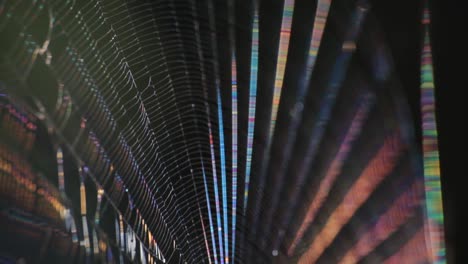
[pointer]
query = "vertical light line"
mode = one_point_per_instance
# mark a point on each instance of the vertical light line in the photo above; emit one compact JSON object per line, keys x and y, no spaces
{"x":288,"y":10}
{"x":232,"y":32}
{"x":119,"y":239}
{"x":207,"y":244}
{"x":320,"y":21}
{"x":234,"y":151}
{"x":61,"y":175}
{"x":73,"y":229}
{"x":122,"y":237}
{"x":217,"y":205}
{"x":204,"y":235}
{"x":97,"y":216}
{"x":285,"y":33}
{"x":252,"y":102}
{"x":223,"y":176}
{"x":214,"y":49}
{"x":84,"y":220}
{"x":213,"y":239}
{"x":69,"y":221}
{"x":142,"y":254}
{"x":430,"y":150}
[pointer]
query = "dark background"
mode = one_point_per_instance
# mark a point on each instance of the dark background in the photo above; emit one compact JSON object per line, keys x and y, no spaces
{"x":449,"y":26}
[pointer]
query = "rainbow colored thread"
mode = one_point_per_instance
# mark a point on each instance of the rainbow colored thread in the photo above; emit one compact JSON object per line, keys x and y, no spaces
{"x":252,"y":104}
{"x":430,"y":151}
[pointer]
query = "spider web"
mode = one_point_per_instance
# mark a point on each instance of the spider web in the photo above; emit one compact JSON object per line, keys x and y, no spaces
{"x":164,"y":105}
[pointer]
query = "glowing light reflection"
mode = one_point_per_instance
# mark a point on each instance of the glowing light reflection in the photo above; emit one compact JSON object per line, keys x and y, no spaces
{"x":377,"y":169}
{"x":288,"y":10}
{"x":398,"y":213}
{"x":414,"y":251}
{"x":430,"y":151}
{"x":252,"y":104}
{"x":334,"y":170}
